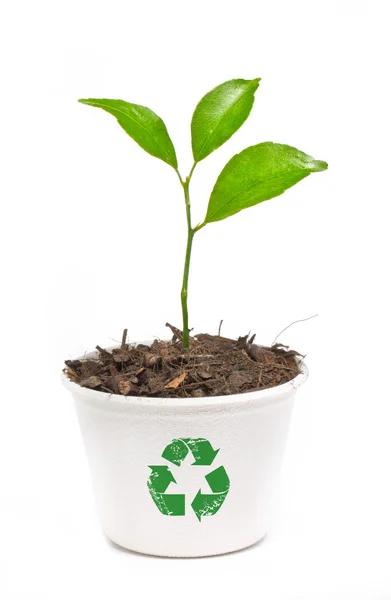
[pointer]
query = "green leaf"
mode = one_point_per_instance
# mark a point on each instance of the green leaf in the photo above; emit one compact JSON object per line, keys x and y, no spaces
{"x":258,"y":173}
{"x":142,"y":124}
{"x":220,"y":113}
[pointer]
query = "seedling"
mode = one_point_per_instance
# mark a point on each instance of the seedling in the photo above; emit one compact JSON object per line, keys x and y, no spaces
{"x":256,"y":174}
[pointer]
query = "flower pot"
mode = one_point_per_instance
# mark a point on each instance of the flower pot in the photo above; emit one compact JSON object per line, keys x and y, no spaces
{"x":186,"y":476}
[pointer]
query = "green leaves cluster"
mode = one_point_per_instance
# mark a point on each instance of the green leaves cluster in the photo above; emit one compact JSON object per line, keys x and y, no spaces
{"x":254,"y":175}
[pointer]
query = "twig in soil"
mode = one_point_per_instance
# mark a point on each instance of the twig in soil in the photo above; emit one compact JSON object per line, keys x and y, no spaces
{"x":245,"y":354}
{"x":104,"y":352}
{"x":177,"y":332}
{"x":124,"y":336}
{"x":293,"y":323}
{"x":219,"y":332}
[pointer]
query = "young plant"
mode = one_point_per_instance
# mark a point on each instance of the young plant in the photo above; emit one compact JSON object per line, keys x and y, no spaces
{"x":256,"y":174}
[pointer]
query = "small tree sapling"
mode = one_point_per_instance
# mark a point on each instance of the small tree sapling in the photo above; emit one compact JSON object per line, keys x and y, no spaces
{"x":256,"y":174}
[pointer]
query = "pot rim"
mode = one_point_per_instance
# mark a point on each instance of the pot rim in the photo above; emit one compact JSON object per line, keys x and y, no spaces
{"x":260,"y":396}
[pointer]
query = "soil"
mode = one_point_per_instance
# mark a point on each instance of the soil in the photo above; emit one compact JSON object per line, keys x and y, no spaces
{"x":212,"y":366}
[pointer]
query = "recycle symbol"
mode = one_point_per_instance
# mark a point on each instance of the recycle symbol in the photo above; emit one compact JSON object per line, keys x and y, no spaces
{"x":204,"y":505}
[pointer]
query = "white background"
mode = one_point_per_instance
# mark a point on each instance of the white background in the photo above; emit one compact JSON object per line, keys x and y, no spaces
{"x":93,"y":234}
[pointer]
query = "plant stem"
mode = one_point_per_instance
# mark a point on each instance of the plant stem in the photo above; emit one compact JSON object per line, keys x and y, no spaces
{"x":186,"y":270}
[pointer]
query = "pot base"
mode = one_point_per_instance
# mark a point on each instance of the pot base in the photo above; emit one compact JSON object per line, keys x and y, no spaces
{"x":144,"y":552}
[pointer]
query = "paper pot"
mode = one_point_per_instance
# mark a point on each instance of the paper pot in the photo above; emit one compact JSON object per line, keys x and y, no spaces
{"x":188,"y":476}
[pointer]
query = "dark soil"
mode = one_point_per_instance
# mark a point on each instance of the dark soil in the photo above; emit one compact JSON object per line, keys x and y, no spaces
{"x":211,"y":366}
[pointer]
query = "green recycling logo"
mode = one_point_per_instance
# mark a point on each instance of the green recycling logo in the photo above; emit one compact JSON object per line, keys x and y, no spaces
{"x":204,"y":505}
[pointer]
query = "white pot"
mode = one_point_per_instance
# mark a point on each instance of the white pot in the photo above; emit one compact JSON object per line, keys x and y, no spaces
{"x":143,"y":509}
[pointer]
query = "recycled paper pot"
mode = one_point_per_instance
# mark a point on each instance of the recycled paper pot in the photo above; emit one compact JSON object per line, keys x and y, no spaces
{"x":186,"y":476}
